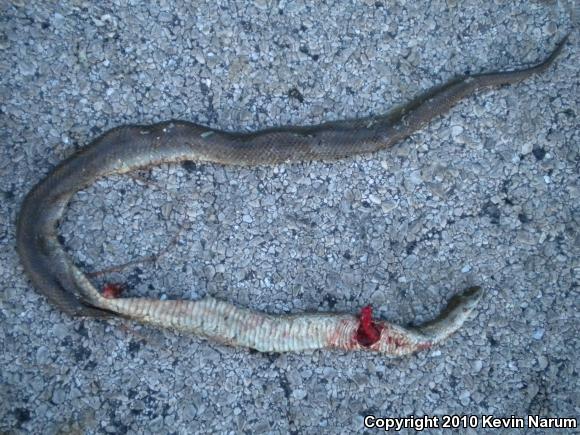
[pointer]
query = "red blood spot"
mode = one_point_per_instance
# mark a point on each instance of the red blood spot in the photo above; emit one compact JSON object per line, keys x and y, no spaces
{"x":397,"y":342}
{"x":112,"y":291}
{"x":424,"y":346}
{"x":368,"y":332}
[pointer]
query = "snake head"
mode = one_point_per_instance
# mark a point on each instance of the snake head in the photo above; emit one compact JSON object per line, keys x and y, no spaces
{"x":469,"y":298}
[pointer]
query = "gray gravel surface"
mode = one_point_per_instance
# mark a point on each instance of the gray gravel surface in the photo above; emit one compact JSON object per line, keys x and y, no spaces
{"x":487,"y":195}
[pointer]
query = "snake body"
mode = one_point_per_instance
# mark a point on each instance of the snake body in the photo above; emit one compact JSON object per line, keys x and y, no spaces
{"x":128,"y":148}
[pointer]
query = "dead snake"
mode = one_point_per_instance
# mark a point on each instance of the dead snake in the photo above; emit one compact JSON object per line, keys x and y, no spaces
{"x":128,"y":148}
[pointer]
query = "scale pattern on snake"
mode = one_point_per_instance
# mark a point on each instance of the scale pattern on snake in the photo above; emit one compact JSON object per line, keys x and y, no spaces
{"x":128,"y":148}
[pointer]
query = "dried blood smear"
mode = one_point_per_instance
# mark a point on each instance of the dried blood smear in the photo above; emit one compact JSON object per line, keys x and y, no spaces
{"x":368,"y":332}
{"x":112,"y":291}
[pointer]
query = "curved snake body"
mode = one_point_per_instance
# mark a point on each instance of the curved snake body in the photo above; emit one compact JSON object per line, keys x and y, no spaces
{"x":128,"y":148}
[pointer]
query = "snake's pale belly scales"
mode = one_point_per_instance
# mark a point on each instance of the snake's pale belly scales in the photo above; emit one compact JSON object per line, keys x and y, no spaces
{"x":128,"y":148}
